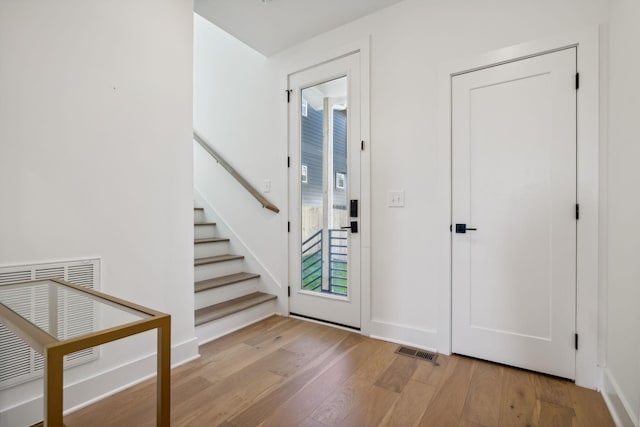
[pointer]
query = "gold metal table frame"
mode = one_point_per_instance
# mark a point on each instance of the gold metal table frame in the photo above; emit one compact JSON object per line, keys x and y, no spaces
{"x":53,"y":349}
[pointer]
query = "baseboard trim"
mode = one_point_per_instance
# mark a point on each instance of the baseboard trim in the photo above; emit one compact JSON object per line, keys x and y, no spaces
{"x":406,"y":335}
{"x":100,"y":386}
{"x":619,"y":407}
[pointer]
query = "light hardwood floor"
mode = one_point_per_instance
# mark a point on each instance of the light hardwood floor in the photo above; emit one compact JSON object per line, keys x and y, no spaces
{"x":286,"y":372}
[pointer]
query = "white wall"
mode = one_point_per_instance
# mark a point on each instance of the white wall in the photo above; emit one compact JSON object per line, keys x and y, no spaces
{"x":622,"y":375}
{"x":237,"y":111}
{"x":96,"y":161}
{"x":409,"y":42}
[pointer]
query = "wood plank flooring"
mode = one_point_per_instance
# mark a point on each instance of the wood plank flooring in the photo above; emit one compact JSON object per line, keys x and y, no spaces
{"x":286,"y":372}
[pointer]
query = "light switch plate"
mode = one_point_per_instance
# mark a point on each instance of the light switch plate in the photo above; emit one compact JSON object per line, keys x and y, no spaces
{"x":396,"y":199}
{"x":266,"y":186}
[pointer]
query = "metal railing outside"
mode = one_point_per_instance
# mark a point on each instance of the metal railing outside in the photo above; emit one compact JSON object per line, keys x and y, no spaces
{"x":312,"y":262}
{"x":338,"y":257}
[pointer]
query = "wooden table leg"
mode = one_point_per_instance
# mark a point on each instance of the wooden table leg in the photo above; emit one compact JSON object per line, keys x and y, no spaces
{"x":53,"y":391}
{"x":163,"y":407}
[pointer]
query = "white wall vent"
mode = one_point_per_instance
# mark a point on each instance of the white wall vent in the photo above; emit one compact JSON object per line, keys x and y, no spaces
{"x":18,"y":362}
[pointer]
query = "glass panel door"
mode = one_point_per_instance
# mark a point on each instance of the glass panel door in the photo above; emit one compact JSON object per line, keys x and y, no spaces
{"x":324,"y":188}
{"x":324,"y":180}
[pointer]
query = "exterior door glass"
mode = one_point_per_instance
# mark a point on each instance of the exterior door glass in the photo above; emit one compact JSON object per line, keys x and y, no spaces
{"x":324,"y":188}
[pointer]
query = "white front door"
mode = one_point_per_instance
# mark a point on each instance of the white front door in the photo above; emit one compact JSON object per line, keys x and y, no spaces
{"x":514,"y":190}
{"x":324,"y":192}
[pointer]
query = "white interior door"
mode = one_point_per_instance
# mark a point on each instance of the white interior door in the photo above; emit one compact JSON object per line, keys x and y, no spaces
{"x":514,"y":188}
{"x":324,"y":186}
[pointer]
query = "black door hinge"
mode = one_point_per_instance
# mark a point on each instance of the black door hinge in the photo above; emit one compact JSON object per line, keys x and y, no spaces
{"x":288,"y":291}
{"x":576,"y":341}
{"x":288,"y":95}
{"x":288,"y":226}
{"x":577,"y":211}
{"x":362,"y":145}
{"x":577,"y":81}
{"x":288,"y":161}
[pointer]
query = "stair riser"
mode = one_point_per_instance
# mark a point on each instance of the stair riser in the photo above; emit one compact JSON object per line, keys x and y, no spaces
{"x":209,"y":271}
{"x":203,"y":250}
{"x":217,"y":328}
{"x":204,"y":231}
{"x":198,"y":216}
{"x":225,"y":293}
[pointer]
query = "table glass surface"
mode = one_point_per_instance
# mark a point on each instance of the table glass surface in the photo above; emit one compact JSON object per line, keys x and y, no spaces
{"x":65,"y":312}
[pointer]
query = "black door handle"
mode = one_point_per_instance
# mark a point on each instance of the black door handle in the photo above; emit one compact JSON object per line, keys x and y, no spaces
{"x":462,"y":228}
{"x":353,"y":209}
{"x":353,"y":227}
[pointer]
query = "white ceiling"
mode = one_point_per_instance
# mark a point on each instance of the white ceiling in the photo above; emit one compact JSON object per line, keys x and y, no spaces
{"x":275,"y":25}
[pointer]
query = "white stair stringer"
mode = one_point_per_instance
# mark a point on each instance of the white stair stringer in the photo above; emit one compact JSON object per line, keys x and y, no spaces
{"x":212,"y":330}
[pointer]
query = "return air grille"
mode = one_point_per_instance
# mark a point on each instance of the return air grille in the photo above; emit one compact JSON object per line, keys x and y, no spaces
{"x":418,"y":354}
{"x":18,"y":362}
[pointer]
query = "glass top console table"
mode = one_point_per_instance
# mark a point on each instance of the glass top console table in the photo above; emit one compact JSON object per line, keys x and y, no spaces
{"x":113,"y":319}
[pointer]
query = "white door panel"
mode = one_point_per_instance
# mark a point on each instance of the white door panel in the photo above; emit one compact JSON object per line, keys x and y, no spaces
{"x":514,"y":179}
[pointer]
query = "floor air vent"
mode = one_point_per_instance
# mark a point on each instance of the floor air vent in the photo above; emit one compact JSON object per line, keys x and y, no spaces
{"x":418,"y":354}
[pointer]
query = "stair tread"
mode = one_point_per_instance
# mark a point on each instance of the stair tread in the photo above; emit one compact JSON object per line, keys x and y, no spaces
{"x":216,"y":282}
{"x":217,"y":311}
{"x":214,"y":259}
{"x":198,"y":209}
{"x":204,"y":223}
{"x":211,"y":240}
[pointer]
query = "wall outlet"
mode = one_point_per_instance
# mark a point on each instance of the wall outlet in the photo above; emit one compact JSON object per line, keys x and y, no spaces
{"x":396,"y":199}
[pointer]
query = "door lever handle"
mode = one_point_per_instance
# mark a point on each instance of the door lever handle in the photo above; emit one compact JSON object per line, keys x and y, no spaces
{"x":353,"y":227}
{"x":462,"y":228}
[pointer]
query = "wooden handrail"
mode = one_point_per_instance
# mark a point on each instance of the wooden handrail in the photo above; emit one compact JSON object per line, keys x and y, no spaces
{"x":255,"y":193}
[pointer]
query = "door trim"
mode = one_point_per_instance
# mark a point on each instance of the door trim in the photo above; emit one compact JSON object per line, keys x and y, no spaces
{"x":589,"y":315}
{"x":302,"y":62}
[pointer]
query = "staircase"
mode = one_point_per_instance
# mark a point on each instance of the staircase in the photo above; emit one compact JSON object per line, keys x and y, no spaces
{"x":226,"y":297}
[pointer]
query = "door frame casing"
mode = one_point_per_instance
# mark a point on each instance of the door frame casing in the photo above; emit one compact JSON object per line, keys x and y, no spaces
{"x":307,"y":60}
{"x":589,"y":320}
